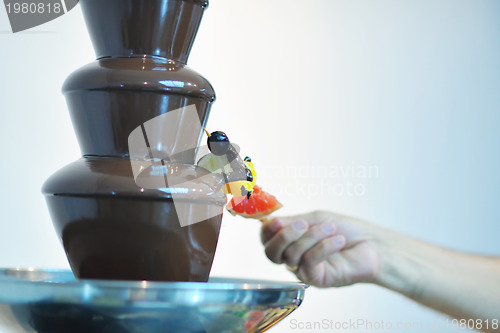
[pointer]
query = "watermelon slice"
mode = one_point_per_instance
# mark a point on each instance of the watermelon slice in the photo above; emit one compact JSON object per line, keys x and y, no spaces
{"x":258,"y":206}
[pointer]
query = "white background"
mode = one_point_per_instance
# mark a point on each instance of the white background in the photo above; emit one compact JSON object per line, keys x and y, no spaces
{"x":411,"y":87}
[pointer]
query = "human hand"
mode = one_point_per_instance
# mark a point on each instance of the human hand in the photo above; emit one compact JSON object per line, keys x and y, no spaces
{"x":323,"y":249}
{"x":330,"y":250}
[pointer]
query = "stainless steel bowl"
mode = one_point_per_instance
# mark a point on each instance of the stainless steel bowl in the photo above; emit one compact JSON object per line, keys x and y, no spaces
{"x":52,"y":301}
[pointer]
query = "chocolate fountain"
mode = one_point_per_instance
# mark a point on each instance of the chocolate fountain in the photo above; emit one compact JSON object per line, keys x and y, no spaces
{"x":138,"y":219}
{"x":114,"y":223}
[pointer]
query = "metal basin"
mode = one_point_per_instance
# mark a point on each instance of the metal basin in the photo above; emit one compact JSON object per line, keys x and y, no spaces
{"x":52,"y":301}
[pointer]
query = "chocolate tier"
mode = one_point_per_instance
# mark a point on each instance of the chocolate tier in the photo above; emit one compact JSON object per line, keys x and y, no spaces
{"x":117,"y":213}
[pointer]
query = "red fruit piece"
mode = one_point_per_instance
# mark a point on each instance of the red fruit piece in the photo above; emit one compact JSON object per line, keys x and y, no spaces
{"x":259,"y":205}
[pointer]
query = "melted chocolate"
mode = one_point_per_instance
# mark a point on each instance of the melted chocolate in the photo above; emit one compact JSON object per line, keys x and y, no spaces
{"x":121,"y":243}
{"x":110,"y":227}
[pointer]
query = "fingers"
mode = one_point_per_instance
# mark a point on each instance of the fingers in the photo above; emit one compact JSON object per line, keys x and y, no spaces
{"x":312,"y":266}
{"x":302,"y":241}
{"x":293,"y":253}
{"x":279,"y":241}
{"x":321,"y":251}
{"x":272,"y":225}
{"x":269,"y":228}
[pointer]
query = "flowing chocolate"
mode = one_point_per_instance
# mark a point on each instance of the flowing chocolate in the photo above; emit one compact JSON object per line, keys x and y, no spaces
{"x":111,"y":227}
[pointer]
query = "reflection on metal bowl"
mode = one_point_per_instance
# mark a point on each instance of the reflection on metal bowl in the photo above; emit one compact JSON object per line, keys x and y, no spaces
{"x":52,"y":301}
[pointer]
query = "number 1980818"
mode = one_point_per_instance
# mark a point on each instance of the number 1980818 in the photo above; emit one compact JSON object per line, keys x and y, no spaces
{"x":476,"y":324}
{"x":33,"y":8}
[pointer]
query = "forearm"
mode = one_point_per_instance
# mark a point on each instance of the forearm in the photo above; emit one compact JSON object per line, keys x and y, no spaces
{"x":460,"y":285}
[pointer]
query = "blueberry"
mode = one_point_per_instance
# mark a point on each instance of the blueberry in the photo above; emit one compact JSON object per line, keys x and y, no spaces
{"x":218,"y":143}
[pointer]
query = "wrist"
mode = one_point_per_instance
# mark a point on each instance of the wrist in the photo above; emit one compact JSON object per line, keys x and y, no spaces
{"x":400,"y":263}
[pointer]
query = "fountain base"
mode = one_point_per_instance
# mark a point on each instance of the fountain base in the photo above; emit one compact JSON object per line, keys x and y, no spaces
{"x":53,"y":301}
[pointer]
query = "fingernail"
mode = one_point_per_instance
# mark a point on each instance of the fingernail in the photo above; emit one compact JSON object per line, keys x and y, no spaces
{"x":299,"y":225}
{"x":338,"y":240}
{"x":275,"y":225}
{"x":327,"y":228}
